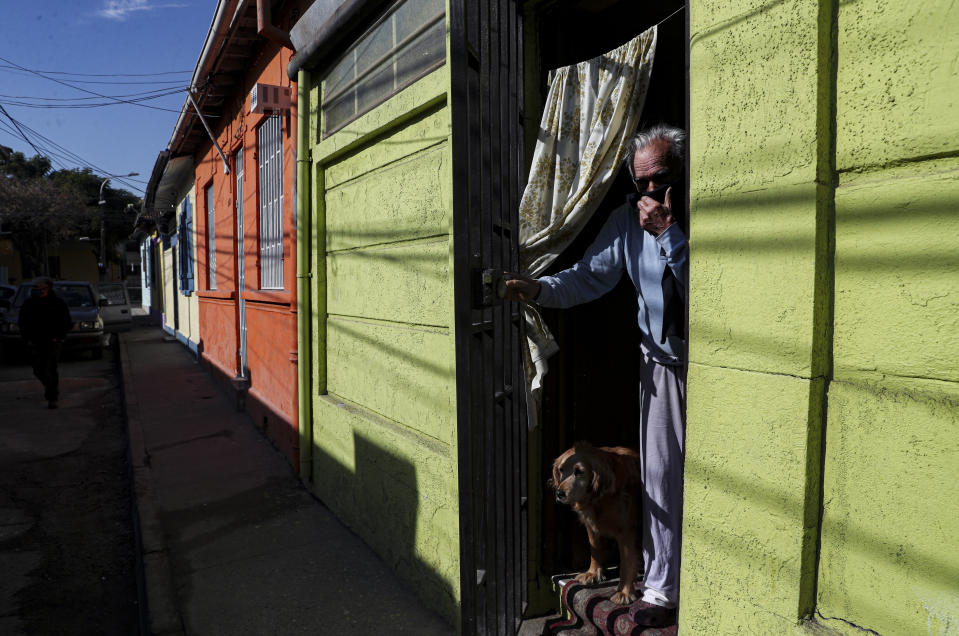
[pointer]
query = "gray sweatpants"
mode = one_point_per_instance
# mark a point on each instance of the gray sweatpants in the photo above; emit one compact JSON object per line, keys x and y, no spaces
{"x":662,"y":394}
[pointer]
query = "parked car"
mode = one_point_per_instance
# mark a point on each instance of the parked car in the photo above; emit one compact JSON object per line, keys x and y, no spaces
{"x":87,"y":331}
{"x":116,"y":310}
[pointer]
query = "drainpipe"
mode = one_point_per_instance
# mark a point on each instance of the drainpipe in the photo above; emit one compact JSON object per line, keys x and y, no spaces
{"x":265,"y":28}
{"x":304,"y":305}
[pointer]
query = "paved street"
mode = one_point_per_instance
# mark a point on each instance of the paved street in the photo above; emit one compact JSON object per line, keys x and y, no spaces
{"x":66,"y":538}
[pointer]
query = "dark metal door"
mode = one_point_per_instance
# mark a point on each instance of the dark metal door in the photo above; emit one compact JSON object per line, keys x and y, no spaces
{"x":486,"y":96}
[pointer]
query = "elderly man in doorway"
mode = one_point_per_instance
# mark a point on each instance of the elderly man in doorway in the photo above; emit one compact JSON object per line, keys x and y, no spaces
{"x":644,"y":238}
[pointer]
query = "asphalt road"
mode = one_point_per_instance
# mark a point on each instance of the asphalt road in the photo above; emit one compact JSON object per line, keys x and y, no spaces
{"x":67,"y":544}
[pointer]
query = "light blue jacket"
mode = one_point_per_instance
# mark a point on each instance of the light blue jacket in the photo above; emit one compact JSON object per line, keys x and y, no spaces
{"x":623,"y":243}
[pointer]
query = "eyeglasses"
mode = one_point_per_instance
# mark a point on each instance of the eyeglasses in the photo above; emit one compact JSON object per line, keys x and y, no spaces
{"x":661,"y":178}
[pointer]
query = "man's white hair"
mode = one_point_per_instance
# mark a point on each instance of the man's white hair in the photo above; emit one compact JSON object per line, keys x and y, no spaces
{"x":45,"y":281}
{"x":673,"y":136}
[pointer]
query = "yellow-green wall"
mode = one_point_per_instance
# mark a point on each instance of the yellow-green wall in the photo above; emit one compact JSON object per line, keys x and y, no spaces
{"x":823,"y":318}
{"x":384,"y":425}
{"x":890,"y":555}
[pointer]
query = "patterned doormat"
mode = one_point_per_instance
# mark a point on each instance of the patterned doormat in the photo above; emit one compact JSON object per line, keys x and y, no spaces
{"x":587,"y":611}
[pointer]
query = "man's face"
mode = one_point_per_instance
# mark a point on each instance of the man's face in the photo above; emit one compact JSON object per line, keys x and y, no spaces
{"x":43,"y":290}
{"x":651,"y":170}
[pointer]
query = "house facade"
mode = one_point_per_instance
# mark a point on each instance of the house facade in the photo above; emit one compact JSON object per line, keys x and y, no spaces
{"x":237,"y":132}
{"x":819,"y":446}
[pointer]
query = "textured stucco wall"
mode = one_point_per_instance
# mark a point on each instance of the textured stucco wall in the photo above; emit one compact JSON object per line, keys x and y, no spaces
{"x":754,"y":107}
{"x":890,"y":559}
{"x":384,"y":421}
{"x":823,"y":319}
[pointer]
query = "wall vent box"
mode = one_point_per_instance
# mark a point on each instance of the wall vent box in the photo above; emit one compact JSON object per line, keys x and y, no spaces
{"x":266,"y":98}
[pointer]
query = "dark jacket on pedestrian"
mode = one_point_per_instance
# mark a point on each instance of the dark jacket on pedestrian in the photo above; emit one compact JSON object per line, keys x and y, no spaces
{"x":44,"y":318}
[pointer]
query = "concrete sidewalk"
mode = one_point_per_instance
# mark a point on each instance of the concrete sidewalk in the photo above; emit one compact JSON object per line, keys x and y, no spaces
{"x":232,"y":541}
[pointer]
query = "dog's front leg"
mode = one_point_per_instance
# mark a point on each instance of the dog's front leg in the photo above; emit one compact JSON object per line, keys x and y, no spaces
{"x":595,"y":572}
{"x":628,"y":569}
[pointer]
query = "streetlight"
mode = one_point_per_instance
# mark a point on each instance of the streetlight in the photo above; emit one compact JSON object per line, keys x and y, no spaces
{"x":102,"y":265}
{"x":111,"y":176}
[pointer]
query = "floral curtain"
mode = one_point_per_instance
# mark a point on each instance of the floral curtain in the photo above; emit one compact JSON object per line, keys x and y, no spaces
{"x":591,"y":111}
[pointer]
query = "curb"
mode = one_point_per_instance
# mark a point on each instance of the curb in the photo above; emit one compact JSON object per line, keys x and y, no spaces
{"x":159,"y":613}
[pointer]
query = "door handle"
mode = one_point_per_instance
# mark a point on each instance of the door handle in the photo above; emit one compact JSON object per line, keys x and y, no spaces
{"x":489,"y":287}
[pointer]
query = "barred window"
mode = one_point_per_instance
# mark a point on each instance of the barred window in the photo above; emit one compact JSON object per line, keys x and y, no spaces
{"x":210,"y":238}
{"x":406,"y":44}
{"x":270,"y":158}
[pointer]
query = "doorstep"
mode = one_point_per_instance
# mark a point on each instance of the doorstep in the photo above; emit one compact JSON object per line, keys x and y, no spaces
{"x":587,"y":611}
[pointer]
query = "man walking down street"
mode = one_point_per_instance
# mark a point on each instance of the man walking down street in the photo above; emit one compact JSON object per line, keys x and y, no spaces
{"x":44,"y":322}
{"x":644,"y":238}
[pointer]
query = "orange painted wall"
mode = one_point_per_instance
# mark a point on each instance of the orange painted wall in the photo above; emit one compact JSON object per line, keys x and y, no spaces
{"x":271,"y":314}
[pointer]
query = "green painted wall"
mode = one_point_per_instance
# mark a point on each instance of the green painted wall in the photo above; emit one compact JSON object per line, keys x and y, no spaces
{"x":890,"y":558}
{"x":824,"y":319}
{"x":748,"y":541}
{"x":384,"y":412}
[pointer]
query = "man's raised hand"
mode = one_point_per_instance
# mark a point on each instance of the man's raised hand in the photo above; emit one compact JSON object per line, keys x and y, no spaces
{"x":655,"y":217}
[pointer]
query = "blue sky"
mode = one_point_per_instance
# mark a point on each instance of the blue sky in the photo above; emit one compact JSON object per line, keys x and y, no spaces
{"x":107,"y":41}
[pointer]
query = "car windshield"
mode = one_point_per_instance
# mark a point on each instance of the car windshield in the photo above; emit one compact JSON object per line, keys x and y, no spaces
{"x":24,"y":292}
{"x":75,"y":295}
{"x":113,"y":293}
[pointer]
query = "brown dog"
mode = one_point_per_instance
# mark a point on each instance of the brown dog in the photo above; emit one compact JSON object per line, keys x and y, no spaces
{"x":604,"y":486}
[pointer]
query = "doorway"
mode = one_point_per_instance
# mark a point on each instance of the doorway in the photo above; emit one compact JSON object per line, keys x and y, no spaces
{"x":592,"y":389}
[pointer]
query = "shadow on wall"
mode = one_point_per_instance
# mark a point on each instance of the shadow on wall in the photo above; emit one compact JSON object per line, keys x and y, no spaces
{"x":773,"y":502}
{"x":380,"y":501}
{"x":275,"y":425}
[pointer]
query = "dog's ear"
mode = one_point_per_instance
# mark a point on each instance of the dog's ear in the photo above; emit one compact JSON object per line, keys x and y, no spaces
{"x":557,"y":475}
{"x":604,"y":480}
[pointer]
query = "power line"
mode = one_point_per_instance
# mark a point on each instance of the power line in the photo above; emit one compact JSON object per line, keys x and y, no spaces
{"x":55,"y":159}
{"x":79,"y":88}
{"x":79,"y":99}
{"x":22,"y":134}
{"x":74,"y":104}
{"x":27,"y":72}
{"x":70,"y":155}
{"x":12,"y":65}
